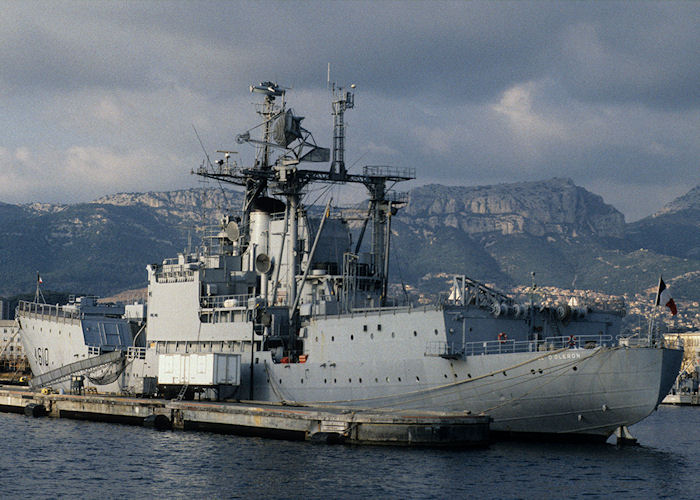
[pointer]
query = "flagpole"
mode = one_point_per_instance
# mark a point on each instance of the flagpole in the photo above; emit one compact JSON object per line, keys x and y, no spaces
{"x":651,"y":338}
{"x":38,"y":293}
{"x":654,"y":313}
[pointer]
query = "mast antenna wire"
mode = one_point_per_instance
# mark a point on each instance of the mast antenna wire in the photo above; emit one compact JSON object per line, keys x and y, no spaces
{"x":323,"y":191}
{"x":221,"y":186}
{"x":202,"y":145}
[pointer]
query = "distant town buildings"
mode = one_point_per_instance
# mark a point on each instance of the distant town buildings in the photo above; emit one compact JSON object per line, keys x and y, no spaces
{"x":639,"y":308}
{"x":4,"y":309}
{"x":12,"y":356}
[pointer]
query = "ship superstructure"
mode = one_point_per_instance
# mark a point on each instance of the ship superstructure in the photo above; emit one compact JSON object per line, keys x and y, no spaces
{"x":303,"y":308}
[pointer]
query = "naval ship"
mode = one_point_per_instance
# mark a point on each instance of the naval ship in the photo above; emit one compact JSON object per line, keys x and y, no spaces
{"x":284,"y":303}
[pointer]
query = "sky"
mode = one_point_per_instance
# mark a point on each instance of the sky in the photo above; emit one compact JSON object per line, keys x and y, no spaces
{"x":103,"y":97}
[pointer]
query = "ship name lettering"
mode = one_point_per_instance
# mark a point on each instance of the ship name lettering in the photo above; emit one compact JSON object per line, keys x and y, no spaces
{"x":565,"y":355}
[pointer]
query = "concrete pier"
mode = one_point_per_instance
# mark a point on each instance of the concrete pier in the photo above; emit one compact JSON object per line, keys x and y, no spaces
{"x":682,"y":399}
{"x":320,"y":424}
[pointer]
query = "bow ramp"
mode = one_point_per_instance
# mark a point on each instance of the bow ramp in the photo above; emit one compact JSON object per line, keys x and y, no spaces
{"x":73,"y":368}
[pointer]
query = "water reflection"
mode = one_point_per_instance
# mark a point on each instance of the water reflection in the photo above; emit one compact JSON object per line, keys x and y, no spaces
{"x":55,"y":458}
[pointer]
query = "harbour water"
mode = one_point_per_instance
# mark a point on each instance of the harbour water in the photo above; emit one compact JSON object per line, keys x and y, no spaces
{"x":57,"y":458}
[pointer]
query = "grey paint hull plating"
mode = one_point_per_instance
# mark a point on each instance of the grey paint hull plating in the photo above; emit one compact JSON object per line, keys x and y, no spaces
{"x":569,"y":391}
{"x":565,"y":391}
{"x":573,"y":391}
{"x":54,"y":342}
{"x":560,"y":391}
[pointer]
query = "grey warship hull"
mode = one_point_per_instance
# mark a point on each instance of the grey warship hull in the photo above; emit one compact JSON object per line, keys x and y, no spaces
{"x":97,"y":341}
{"x":560,"y":390}
{"x":529,"y":387}
{"x":568,"y":392}
{"x":304,"y":307}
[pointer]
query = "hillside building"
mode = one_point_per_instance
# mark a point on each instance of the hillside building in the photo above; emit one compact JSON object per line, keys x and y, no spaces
{"x":12,"y":355}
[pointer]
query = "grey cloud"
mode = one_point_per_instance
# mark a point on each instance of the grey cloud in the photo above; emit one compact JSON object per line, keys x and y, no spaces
{"x":613,"y":94}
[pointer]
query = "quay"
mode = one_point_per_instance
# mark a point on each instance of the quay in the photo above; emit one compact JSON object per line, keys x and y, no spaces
{"x":686,"y":389}
{"x":682,"y":399}
{"x":318,"y":424}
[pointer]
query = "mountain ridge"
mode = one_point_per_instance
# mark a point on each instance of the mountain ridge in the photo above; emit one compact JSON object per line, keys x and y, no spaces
{"x":536,"y":207}
{"x":499,"y":233}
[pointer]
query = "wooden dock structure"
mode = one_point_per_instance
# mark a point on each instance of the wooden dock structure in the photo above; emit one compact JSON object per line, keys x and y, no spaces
{"x":320,"y":424}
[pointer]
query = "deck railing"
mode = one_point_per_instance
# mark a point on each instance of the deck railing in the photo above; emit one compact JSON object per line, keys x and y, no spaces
{"x":226,"y":301}
{"x":506,"y":346}
{"x":55,"y":311}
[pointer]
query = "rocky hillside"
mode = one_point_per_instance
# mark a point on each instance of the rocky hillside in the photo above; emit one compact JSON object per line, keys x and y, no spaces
{"x":100,"y":247}
{"x":184,"y":207}
{"x":689,"y":201}
{"x":674,"y":230}
{"x":499,"y":234}
{"x":556,"y":207}
{"x":568,"y":236}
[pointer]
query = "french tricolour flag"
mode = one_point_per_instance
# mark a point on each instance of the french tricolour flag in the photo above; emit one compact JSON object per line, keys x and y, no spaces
{"x":663,"y":297}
